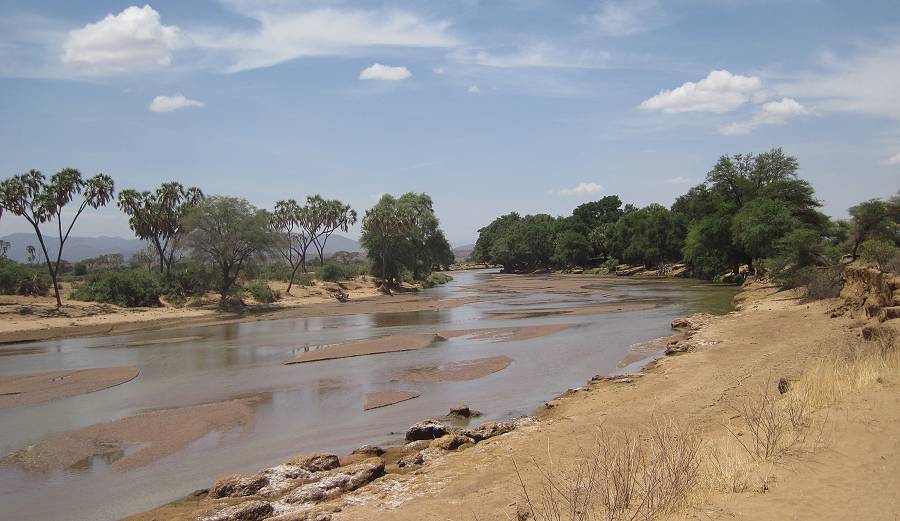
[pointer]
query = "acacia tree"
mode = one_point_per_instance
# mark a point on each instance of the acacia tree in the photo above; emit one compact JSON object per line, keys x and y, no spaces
{"x":293,"y":241}
{"x":30,"y":196}
{"x":158,"y":217}
{"x":320,"y":218}
{"x":228,"y":232}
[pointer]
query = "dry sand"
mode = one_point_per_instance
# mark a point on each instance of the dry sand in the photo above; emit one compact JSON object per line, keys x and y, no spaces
{"x":152,"y":436}
{"x":32,"y":388}
{"x":456,"y":371}
{"x":385,"y":398}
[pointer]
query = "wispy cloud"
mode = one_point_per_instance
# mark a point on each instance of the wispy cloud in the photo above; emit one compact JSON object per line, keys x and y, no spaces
{"x":721,"y":91}
{"x":582,"y":188}
{"x":286,"y":35}
{"x":893,"y":160}
{"x":678,"y":180}
{"x":473,"y":89}
{"x":173,"y":103}
{"x":626,"y":17}
{"x":381,"y":72}
{"x":868,"y":82}
{"x":771,"y":113}
{"x":535,"y":56}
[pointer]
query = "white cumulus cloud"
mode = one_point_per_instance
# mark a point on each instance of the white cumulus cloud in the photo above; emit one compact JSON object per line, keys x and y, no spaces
{"x":131,"y":40}
{"x":473,"y":89}
{"x":378,"y":71}
{"x":172,"y":103}
{"x":893,"y":160}
{"x":719,"y":92}
{"x":582,"y":189}
{"x":771,"y":113}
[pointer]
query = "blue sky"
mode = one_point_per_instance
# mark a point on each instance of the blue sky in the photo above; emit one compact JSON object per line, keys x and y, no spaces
{"x":489,"y":106}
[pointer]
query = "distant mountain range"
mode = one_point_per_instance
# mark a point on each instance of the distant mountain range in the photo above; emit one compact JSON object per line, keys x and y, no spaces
{"x":80,"y":248}
{"x":461,"y":253}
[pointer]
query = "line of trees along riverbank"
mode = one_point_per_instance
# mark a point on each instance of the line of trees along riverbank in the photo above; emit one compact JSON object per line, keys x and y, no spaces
{"x":751,"y":210}
{"x":198,"y":242}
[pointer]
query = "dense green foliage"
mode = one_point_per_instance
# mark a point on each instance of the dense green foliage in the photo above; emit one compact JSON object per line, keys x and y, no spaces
{"x":126,"y":288}
{"x":751,"y":210}
{"x":403,"y":236}
{"x":22,"y":279}
{"x":332,"y":272}
{"x":436,"y":279}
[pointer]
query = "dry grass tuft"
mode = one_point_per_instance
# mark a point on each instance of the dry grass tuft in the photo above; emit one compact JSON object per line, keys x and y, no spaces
{"x":628,"y":476}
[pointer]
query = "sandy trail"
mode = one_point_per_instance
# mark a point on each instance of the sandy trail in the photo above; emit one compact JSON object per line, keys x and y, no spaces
{"x":32,"y":388}
{"x":154,"y":435}
{"x":385,"y":398}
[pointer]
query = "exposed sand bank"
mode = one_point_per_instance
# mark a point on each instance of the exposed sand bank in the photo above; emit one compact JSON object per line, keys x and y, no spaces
{"x":32,"y":388}
{"x":385,"y":398}
{"x":457,"y":371}
{"x":135,"y":441}
{"x":398,"y":343}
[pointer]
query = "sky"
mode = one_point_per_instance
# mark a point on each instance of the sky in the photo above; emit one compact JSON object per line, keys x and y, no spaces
{"x":487,"y":106}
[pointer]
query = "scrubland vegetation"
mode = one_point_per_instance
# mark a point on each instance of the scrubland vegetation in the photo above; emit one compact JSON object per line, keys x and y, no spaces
{"x":199,"y":243}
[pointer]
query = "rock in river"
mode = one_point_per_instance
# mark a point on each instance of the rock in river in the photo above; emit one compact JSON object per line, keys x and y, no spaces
{"x":426,"y":430}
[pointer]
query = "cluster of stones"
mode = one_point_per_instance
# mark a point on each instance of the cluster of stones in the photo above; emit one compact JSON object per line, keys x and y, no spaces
{"x":294,"y":490}
{"x":688,"y":326}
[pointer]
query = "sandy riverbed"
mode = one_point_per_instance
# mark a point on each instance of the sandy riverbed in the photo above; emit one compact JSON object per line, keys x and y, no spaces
{"x":774,"y":336}
{"x":32,"y":388}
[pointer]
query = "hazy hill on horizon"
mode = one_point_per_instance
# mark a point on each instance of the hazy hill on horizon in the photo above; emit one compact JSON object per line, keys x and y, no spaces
{"x":80,"y":248}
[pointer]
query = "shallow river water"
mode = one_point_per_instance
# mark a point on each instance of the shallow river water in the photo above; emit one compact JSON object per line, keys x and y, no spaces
{"x":312,"y":406}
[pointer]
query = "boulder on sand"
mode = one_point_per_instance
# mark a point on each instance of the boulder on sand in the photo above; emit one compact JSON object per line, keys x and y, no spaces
{"x":369,"y":450}
{"x":238,"y":486}
{"x":426,"y":430}
{"x":336,"y":483}
{"x":246,"y":511}
{"x":451,"y":442}
{"x":316,"y":462}
{"x":462,"y":411}
{"x":488,"y":430}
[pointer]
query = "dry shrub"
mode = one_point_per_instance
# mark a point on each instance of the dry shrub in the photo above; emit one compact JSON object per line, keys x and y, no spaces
{"x":727,"y":467}
{"x":628,"y":476}
{"x":849,"y":368}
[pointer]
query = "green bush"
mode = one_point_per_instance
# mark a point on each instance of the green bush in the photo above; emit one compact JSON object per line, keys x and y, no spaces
{"x":188,"y":279}
{"x":304,"y":279}
{"x":435,"y":279}
{"x":820,"y":283}
{"x":129,"y":288}
{"x":880,"y":253}
{"x":19,"y":279}
{"x":261,"y":292}
{"x":333,"y":272}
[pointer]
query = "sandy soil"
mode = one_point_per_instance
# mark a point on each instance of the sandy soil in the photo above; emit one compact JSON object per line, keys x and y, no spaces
{"x":456,"y":371}
{"x":32,"y":388}
{"x":385,"y":398}
{"x":138,"y":440}
{"x":507,"y":334}
{"x":25,"y":319}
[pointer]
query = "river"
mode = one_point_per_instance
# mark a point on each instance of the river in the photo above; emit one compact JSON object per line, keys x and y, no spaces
{"x":316,"y":406}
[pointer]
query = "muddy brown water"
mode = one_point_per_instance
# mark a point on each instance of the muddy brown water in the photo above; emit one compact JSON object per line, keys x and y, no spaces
{"x":314,"y":406}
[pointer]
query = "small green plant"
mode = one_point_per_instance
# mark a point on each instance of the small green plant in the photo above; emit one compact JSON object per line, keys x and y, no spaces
{"x":262,"y":292}
{"x":436,"y":279}
{"x":131,"y":288}
{"x":882,"y":254}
